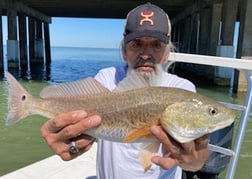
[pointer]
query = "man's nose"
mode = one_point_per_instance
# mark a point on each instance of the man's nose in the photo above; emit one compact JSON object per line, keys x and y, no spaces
{"x":146,"y":52}
{"x":145,"y":56}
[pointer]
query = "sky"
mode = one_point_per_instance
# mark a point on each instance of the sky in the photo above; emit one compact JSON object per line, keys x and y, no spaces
{"x":82,"y":32}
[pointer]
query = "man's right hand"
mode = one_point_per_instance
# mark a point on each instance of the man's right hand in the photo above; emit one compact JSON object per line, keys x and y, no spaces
{"x":65,"y":128}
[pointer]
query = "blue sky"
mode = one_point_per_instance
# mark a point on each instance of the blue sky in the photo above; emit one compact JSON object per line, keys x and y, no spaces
{"x":83,"y":32}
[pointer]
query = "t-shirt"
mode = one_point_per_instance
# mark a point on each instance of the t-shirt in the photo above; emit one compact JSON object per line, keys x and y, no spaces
{"x":121,"y":160}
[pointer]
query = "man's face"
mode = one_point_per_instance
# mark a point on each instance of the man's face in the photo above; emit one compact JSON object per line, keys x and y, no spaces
{"x":144,"y":53}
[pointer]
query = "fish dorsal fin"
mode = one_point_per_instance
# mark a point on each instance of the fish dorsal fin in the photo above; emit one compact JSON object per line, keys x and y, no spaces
{"x":133,"y":80}
{"x":75,"y":88}
{"x":147,"y":150}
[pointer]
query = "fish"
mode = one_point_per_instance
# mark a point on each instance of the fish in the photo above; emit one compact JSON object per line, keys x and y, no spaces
{"x":127,"y":112}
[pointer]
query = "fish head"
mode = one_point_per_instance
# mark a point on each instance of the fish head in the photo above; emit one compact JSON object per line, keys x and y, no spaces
{"x":194,"y":117}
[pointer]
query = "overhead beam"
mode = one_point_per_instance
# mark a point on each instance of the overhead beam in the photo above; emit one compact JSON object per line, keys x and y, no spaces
{"x":196,"y":7}
{"x":22,"y":8}
{"x":31,"y":12}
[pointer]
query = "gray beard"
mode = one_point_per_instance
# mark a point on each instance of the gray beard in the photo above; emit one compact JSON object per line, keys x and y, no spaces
{"x":154,"y":78}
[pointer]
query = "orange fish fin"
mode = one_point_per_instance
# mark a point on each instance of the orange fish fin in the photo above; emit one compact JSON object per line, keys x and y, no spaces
{"x":138,"y":133}
{"x":146,"y":152}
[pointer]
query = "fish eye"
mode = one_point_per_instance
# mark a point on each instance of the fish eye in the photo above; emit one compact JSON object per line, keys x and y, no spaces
{"x":23,"y":98}
{"x":212,"y":111}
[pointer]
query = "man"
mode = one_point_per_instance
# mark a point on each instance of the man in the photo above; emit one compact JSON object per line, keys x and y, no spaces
{"x":145,"y":47}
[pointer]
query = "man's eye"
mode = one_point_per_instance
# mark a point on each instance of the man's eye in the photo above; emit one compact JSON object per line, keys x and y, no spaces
{"x":134,"y":45}
{"x":157,"y":45}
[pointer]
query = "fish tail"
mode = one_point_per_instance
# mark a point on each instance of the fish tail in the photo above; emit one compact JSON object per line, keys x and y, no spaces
{"x":17,"y":101}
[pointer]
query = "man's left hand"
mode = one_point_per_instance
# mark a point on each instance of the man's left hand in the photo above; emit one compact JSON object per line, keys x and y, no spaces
{"x":190,"y":156}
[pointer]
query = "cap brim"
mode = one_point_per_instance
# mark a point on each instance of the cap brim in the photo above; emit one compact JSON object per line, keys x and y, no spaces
{"x":147,"y":33}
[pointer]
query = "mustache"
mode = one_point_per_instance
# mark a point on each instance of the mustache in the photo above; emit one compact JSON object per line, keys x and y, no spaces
{"x":141,"y":62}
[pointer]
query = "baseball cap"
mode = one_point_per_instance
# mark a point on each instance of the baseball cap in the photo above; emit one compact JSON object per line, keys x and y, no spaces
{"x":147,"y":20}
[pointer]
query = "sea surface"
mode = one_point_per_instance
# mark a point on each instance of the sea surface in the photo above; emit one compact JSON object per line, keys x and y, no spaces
{"x":21,"y":144}
{"x":70,"y":63}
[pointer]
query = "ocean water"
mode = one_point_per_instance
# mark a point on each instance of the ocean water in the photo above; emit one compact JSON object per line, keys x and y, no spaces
{"x":74,"y":63}
{"x":21,"y":144}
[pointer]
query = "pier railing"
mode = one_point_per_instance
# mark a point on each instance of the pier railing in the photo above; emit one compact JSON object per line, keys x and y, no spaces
{"x":244,"y":65}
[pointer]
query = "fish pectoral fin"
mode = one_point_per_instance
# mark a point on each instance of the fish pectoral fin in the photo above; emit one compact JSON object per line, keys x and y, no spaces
{"x":138,"y":133}
{"x":146,"y":152}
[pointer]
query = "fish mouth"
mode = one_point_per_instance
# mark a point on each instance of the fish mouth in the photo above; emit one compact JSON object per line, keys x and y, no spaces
{"x":223,"y":124}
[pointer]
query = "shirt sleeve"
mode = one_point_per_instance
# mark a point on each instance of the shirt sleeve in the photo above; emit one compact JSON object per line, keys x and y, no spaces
{"x":110,"y":77}
{"x":175,"y":81}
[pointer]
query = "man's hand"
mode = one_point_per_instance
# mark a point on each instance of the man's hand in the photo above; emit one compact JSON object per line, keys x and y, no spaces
{"x":64,"y":128}
{"x":190,"y":156}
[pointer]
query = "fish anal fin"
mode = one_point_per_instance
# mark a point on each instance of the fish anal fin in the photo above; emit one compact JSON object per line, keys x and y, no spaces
{"x":146,"y":152}
{"x":138,"y":133}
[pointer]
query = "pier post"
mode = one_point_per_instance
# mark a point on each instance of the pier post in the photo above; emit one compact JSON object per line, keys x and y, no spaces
{"x":194,"y":33}
{"x":229,"y":16}
{"x":204,"y":41}
{"x":31,"y":31}
{"x":23,"y":44}
{"x":216,"y":12}
{"x":37,"y":61}
{"x":39,"y":44}
{"x":186,"y":34}
{"x":204,"y":32}
{"x":12,"y":42}
{"x":47,"y":50}
{"x":1,"y":48}
{"x":245,"y":41}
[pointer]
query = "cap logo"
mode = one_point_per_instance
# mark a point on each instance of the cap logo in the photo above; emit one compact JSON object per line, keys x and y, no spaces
{"x":146,"y":17}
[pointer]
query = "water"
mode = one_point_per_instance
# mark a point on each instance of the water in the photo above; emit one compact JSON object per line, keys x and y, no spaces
{"x":74,"y":63}
{"x":22,"y":144}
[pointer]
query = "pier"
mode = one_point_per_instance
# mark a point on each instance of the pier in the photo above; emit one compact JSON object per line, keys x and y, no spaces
{"x":198,"y":27}
{"x":201,"y":30}
{"x":20,"y":16}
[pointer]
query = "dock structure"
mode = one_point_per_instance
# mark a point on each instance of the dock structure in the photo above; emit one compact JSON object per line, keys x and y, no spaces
{"x":198,"y":27}
{"x":19,"y":17}
{"x":203,"y":28}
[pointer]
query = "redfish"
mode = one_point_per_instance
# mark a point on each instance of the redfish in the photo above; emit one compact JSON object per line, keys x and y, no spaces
{"x":127,"y":112}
